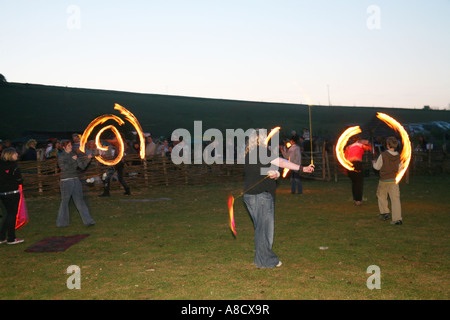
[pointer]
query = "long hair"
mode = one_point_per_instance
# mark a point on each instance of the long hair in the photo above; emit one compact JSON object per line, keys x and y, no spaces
{"x":8,"y":153}
{"x":256,"y":138}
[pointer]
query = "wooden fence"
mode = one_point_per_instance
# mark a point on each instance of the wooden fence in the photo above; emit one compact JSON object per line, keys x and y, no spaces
{"x":42,"y":177}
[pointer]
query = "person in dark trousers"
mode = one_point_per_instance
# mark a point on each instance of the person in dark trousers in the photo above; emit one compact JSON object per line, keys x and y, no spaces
{"x":10,"y":180}
{"x":293,"y":154}
{"x":354,"y":154}
{"x":119,"y":168}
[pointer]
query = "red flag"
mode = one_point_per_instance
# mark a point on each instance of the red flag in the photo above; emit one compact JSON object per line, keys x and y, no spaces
{"x":22,"y":213}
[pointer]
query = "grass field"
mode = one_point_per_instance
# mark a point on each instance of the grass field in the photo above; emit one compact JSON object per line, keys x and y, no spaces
{"x":183,"y":249}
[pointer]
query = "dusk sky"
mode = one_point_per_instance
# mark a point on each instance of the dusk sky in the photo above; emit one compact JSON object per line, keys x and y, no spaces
{"x":348,"y":52}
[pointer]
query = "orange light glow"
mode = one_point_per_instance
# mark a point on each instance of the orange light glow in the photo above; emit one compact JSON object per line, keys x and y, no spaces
{"x":405,"y":156}
{"x":231,"y":213}
{"x":120,"y":152}
{"x":132,"y":119}
{"x":97,"y":121}
{"x":272,"y":132}
{"x":102,"y":119}
{"x":342,"y":141}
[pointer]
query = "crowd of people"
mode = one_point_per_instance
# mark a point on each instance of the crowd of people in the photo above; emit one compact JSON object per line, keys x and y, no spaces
{"x":259,"y":200}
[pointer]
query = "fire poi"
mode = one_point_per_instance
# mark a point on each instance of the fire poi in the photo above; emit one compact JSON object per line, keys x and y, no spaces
{"x":231,"y":198}
{"x":405,"y":156}
{"x":102,"y":119}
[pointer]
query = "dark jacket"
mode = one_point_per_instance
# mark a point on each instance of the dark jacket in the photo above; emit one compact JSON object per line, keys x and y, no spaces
{"x":254,"y":182}
{"x":10,"y":176}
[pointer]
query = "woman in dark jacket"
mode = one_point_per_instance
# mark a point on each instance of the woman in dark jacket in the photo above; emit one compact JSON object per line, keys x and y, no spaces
{"x":10,"y":179}
{"x":70,"y":185}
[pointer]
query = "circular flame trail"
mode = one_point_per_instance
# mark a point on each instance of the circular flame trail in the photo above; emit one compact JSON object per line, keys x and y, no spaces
{"x":102,"y":119}
{"x":342,"y":141}
{"x":405,"y":156}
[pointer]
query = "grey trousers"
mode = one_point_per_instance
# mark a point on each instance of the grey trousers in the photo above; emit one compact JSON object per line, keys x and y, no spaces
{"x":72,"y":188}
{"x":261,"y":209}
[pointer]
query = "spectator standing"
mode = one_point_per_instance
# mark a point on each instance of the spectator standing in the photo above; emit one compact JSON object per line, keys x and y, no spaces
{"x":30,"y":153}
{"x":150,"y":147}
{"x":293,"y":154}
{"x":10,"y":180}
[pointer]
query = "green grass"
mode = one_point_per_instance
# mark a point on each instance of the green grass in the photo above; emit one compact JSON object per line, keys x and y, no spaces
{"x":183,"y":248}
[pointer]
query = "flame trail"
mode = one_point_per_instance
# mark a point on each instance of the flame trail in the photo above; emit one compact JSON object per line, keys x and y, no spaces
{"x":405,"y":156}
{"x":101,"y":120}
{"x":272,"y":132}
{"x":231,"y":213}
{"x":342,"y":141}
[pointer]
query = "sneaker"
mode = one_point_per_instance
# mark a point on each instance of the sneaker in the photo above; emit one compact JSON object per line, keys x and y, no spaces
{"x":398,"y":222}
{"x":279,"y":264}
{"x":2,"y":241}
{"x":384,"y":216}
{"x":17,"y":241}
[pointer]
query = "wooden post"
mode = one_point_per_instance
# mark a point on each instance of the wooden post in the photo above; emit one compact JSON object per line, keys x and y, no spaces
{"x":145,"y":172}
{"x":335,"y":164}
{"x":323,"y":161}
{"x":40,"y":156}
{"x":328,"y":166}
{"x":185,"y":173}
{"x":165,"y":171}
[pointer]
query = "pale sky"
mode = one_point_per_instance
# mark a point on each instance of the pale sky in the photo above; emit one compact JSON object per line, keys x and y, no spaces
{"x":390,"y":53}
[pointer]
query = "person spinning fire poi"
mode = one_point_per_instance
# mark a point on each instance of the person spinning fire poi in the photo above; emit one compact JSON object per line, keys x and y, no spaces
{"x":259,"y":198}
{"x":119,"y":168}
{"x":354,"y":153}
{"x":70,"y":185}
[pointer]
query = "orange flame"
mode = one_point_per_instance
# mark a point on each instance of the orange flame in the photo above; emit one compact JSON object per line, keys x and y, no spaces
{"x":405,"y":156}
{"x":272,"y":132}
{"x":342,"y":141}
{"x":286,"y":170}
{"x":231,"y":213}
{"x":102,"y":119}
{"x":132,"y":119}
